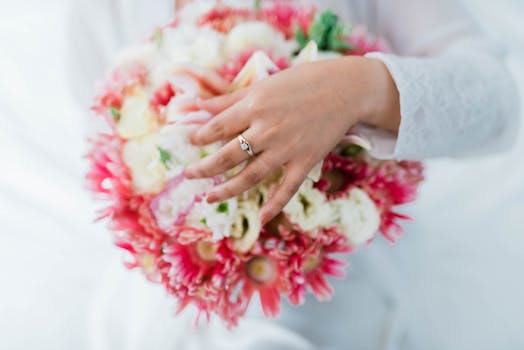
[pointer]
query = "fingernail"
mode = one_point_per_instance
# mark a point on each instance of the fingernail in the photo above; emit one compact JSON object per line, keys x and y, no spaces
{"x":189,"y":173}
{"x":211,"y":197}
{"x":262,"y":217}
{"x":193,"y":138}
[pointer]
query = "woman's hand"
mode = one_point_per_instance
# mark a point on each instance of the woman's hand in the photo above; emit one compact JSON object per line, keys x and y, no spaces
{"x":292,"y":120}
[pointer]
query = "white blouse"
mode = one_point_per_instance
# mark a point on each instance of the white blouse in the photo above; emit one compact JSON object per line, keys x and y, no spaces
{"x":457,"y":99}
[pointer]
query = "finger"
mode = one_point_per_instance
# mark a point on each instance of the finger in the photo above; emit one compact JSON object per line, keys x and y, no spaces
{"x":293,"y":179}
{"x":218,"y":104}
{"x":224,"y":126}
{"x":263,"y":166}
{"x":225,"y":159}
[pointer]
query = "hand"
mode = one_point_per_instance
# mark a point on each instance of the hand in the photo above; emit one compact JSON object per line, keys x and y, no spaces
{"x":292,"y":120}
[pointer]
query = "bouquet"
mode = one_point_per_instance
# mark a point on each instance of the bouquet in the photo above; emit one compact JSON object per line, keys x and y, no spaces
{"x":218,"y":256}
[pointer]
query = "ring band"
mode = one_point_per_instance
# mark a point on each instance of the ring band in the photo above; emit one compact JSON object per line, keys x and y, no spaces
{"x":245,"y":146}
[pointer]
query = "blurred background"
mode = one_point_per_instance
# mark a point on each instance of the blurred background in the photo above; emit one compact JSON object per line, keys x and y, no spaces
{"x":52,"y":255}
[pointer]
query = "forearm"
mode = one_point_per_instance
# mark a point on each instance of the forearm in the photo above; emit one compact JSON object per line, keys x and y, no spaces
{"x":462,"y":103}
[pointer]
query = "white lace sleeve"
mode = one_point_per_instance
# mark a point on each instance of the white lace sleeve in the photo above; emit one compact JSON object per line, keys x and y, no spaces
{"x":457,"y":98}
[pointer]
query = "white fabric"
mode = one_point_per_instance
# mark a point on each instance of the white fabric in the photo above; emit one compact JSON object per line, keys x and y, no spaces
{"x":454,"y":281}
{"x":457,"y":99}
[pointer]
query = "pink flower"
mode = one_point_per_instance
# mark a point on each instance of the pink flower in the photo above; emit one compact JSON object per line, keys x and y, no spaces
{"x":286,"y":18}
{"x":265,"y":274}
{"x":340,"y":174}
{"x":161,"y":97}
{"x":107,"y":175}
{"x":310,"y":261}
{"x":392,"y":184}
{"x":223,"y":19}
{"x":112,"y":92}
{"x":364,"y":43}
{"x":193,"y":274}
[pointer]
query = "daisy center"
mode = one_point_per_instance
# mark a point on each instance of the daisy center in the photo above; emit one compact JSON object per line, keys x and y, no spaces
{"x":261,"y":269}
{"x":311,"y":263}
{"x":206,"y":251}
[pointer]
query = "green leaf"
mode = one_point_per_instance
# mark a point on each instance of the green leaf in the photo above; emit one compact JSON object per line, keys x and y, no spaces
{"x":223,"y":208}
{"x":204,"y":154}
{"x":335,"y":36}
{"x":165,"y":157}
{"x":115,"y":113}
{"x":204,"y":221}
{"x":327,"y":31}
{"x":257,"y":5}
{"x":352,"y":151}
{"x":159,"y":37}
{"x":301,"y":38}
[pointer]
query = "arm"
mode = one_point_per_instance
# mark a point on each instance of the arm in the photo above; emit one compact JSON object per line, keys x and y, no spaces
{"x":456,"y":96}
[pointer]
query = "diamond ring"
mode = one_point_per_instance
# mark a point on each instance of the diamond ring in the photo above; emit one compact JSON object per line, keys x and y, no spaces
{"x":245,"y":146}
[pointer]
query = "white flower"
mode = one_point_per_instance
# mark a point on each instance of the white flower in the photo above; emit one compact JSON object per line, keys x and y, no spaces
{"x":309,"y":209}
{"x":201,"y":46}
{"x":246,"y":226}
{"x":159,"y":156}
{"x":217,"y":217}
{"x":146,"y":53}
{"x":178,"y":201}
{"x":143,"y":161}
{"x":258,"y":35}
{"x":136,"y":118}
{"x":359,"y":218}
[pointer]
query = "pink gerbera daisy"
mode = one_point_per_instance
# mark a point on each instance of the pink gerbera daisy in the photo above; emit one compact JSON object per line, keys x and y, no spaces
{"x":311,"y":261}
{"x":340,"y":174}
{"x":390,"y":185}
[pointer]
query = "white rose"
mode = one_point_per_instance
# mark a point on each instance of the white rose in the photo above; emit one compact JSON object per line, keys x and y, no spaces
{"x":145,"y":53}
{"x":136,"y":118}
{"x":147,"y":171}
{"x":201,"y":46}
{"x":359,"y":216}
{"x":206,"y":50}
{"x":159,"y":156}
{"x":258,"y":35}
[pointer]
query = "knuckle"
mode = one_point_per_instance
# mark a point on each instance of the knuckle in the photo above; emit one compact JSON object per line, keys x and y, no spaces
{"x":217,"y":129}
{"x":224,"y":159}
{"x":256,"y":103}
{"x":253,"y":176}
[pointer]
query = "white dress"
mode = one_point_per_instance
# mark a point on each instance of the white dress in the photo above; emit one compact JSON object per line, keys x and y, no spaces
{"x":428,"y":292}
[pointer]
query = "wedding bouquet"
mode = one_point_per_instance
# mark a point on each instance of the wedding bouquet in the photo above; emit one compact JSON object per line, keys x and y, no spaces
{"x":217,"y":256}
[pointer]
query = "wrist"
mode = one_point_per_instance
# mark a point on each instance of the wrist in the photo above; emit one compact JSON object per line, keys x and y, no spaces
{"x":378,"y":96}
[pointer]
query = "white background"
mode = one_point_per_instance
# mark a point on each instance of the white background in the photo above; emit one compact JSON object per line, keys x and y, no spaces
{"x":51,"y":254}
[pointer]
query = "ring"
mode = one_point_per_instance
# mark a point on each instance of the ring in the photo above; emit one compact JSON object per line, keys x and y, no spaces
{"x":245,"y":146}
